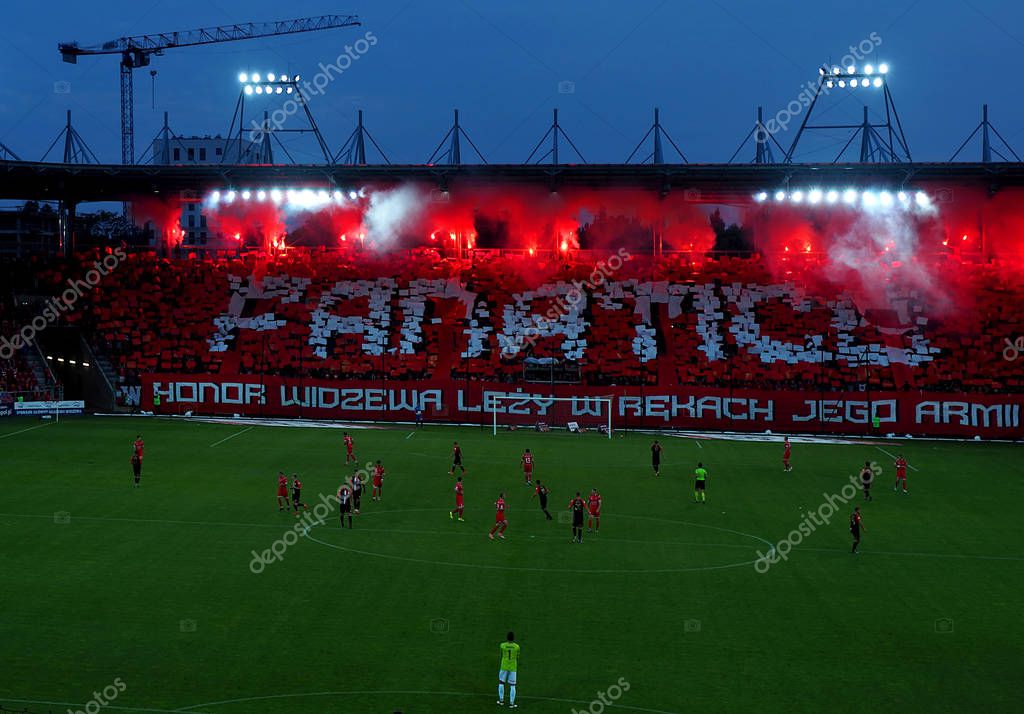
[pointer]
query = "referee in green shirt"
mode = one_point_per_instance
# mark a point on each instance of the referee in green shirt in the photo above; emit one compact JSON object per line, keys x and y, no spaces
{"x":700,"y":483}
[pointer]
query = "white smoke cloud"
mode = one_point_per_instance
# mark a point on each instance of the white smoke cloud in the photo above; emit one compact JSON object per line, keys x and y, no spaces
{"x":390,"y":211}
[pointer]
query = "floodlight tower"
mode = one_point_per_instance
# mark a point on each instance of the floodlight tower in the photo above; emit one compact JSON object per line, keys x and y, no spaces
{"x":880,"y":143}
{"x":284,"y":86}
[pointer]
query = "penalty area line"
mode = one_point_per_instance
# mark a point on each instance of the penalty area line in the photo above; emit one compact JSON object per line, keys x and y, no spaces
{"x":227,"y":438}
{"x":22,"y":431}
{"x":893,"y":456}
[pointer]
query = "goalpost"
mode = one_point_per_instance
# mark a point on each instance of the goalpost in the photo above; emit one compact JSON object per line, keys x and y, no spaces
{"x":527,"y":411}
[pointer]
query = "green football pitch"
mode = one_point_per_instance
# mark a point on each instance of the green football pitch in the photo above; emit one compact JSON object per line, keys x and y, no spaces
{"x":151,"y":593}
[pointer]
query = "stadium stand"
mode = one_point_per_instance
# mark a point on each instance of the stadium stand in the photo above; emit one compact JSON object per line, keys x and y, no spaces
{"x":680,"y":320}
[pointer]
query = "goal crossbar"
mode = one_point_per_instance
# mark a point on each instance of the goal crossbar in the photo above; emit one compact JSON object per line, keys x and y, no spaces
{"x":537,"y":408}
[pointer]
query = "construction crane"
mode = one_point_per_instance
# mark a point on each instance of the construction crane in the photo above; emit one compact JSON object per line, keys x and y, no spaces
{"x":136,"y":51}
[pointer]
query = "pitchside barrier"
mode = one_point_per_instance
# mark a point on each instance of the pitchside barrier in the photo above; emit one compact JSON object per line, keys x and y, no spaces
{"x":855,"y":413}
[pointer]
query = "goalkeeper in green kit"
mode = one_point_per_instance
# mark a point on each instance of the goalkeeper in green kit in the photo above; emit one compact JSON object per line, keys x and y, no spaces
{"x":509,"y":664}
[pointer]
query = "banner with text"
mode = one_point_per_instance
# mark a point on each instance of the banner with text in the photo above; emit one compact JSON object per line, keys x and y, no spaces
{"x":931,"y":414}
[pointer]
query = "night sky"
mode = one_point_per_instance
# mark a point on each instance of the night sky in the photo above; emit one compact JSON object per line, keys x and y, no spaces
{"x":706,"y":64}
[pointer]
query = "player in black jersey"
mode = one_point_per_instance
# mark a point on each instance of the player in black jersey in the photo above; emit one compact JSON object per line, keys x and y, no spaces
{"x":578,"y":507}
{"x":542,"y":492}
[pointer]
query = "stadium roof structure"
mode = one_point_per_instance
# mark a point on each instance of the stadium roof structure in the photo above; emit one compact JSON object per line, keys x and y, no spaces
{"x":76,"y":183}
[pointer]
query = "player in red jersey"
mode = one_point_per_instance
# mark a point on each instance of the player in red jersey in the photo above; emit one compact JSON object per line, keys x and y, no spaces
{"x":500,"y":524}
{"x":901,"y":474}
{"x":282,"y":492}
{"x":459,"y":506}
{"x":786,"y":451}
{"x":457,"y":459}
{"x":378,"y":481}
{"x":350,"y":454}
{"x":594,"y":505}
{"x":527,"y":461}
{"x":139,"y":446}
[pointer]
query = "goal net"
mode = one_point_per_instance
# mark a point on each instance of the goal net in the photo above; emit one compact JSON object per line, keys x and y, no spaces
{"x":582,"y":415}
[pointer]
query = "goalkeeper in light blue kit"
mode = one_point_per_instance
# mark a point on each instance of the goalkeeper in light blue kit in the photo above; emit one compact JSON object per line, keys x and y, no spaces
{"x":509,"y":664}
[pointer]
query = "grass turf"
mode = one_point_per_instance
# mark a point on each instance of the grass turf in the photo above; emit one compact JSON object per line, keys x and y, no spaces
{"x":153,"y":586}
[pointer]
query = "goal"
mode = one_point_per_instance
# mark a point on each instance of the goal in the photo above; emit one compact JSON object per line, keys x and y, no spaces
{"x":540,"y":413}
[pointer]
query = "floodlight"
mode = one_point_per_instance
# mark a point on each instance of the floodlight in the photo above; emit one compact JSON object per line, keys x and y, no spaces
{"x":259,"y":89}
{"x":797,"y":197}
{"x":832,"y":196}
{"x":821,"y":71}
{"x":849,"y":70}
{"x":870,"y":199}
{"x":296,"y":78}
{"x":836,"y":70}
{"x":288,"y":90}
{"x":246,"y":195}
{"x":869,"y":69}
{"x":353,"y":195}
{"x":883,"y":68}
{"x":278,"y":90}
{"x":229,"y":196}
{"x":877,"y":82}
{"x":842,"y":83}
{"x":814,"y":196}
{"x":284,"y":77}
{"x":243,"y":77}
{"x":270,"y":90}
{"x":849,"y":196}
{"x":902,"y":196}
{"x":780,"y":195}
{"x":255,"y":77}
{"x":271,"y":76}
{"x":248,"y":89}
{"x":275,"y":195}
{"x":829,"y":84}
{"x":261,"y":195}
{"x":885,"y":198}
{"x":922,"y":200}
{"x":215,"y":196}
{"x":760,"y":196}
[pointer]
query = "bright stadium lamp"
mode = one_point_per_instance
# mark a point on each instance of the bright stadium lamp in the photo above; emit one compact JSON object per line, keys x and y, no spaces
{"x":288,"y":90}
{"x":278,"y":90}
{"x":836,"y":71}
{"x":877,"y":81}
{"x":869,"y":69}
{"x":261,"y":195}
{"x":883,"y":68}
{"x":246,"y":195}
{"x":870,"y":199}
{"x":271,"y":76}
{"x":842,"y":83}
{"x":215,"y":196}
{"x":248,"y":89}
{"x":760,"y":196}
{"x":902,"y":196}
{"x":885,"y":198}
{"x":830,"y":84}
{"x":851,"y":69}
{"x":922,"y":200}
{"x":797,"y":197}
{"x":255,"y":77}
{"x":849,"y":196}
{"x":814,"y":196}
{"x":259,"y":89}
{"x":229,"y":196}
{"x":832,"y":196}
{"x":284,"y":77}
{"x":780,"y":195}
{"x":352,"y":195}
{"x":270,"y":90}
{"x":275,"y":195}
{"x":243,"y":77}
